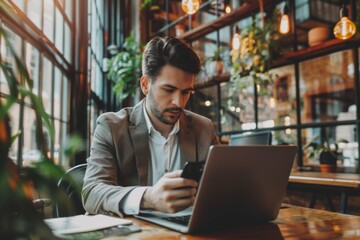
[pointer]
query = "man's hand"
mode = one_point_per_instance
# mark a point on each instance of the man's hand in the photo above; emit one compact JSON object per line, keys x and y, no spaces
{"x":171,"y":193}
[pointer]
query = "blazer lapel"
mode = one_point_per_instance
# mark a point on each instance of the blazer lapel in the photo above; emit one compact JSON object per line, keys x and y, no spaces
{"x":187,"y":141}
{"x":140,"y":139}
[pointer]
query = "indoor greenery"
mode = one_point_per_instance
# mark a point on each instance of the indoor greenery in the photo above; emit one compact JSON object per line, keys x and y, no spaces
{"x":19,"y":185}
{"x":125,"y":68}
{"x":253,"y":58}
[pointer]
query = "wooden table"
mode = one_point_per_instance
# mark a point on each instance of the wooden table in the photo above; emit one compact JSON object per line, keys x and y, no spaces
{"x":343,"y":184}
{"x":292,"y":223}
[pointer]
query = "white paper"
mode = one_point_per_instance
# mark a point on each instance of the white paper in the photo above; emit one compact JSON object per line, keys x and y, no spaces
{"x":84,"y":223}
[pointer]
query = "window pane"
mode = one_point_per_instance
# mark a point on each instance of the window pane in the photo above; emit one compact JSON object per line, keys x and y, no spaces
{"x":287,"y":136}
{"x":92,"y":74}
{"x":99,"y":82}
{"x":230,"y":110}
{"x":14,"y":113}
{"x":49,"y":20}
{"x":68,"y":8}
{"x":277,"y":103}
{"x":65,"y":99}
{"x":67,"y":43}
{"x":19,"y":3}
{"x":56,"y":156}
{"x":47,"y":76}
{"x":30,"y":150}
{"x":204,"y":102}
{"x":34,"y":9}
{"x":7,"y":57}
{"x":57,"y":93}
{"x":327,"y":87}
{"x":59,"y":30}
{"x":32,"y":64}
{"x":64,"y":138}
{"x":240,"y":102}
{"x":348,"y":152}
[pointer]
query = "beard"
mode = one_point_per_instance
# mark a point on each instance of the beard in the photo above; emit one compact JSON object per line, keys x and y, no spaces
{"x":161,"y":114}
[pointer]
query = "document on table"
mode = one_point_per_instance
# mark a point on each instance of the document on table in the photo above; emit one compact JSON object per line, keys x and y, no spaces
{"x":83,"y":223}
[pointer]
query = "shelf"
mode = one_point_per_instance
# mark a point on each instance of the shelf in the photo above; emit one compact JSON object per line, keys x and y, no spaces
{"x":324,"y":48}
{"x":225,"y":77}
{"x":246,"y":10}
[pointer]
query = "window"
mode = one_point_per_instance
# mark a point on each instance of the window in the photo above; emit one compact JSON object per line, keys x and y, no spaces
{"x":49,"y":76}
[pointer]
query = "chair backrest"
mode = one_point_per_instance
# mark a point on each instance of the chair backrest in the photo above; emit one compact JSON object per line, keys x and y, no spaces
{"x":70,"y":186}
{"x":252,"y":138}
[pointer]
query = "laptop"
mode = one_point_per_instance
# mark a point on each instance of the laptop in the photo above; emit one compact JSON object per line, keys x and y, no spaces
{"x":244,"y":184}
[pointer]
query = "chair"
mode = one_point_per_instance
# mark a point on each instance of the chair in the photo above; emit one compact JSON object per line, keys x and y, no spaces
{"x":70,"y":186}
{"x":253,"y":138}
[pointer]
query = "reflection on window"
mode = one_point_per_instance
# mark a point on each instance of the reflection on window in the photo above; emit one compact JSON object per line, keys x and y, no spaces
{"x":327,"y":88}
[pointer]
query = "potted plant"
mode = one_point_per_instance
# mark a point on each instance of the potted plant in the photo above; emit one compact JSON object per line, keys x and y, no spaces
{"x":215,"y":62}
{"x":125,"y":68}
{"x":327,"y":153}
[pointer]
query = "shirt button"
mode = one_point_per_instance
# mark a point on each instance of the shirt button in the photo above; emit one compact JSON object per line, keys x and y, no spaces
{"x":166,"y":170}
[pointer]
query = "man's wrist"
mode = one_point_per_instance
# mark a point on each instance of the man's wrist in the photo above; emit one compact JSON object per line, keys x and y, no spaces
{"x":146,"y":200}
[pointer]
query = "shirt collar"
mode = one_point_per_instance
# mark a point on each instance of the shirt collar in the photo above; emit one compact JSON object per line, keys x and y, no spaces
{"x":150,"y":126}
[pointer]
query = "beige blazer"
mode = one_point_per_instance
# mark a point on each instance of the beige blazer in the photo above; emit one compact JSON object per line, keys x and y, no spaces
{"x":120,"y":155}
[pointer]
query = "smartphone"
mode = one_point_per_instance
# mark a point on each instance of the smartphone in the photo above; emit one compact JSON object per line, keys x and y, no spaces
{"x":193,"y":170}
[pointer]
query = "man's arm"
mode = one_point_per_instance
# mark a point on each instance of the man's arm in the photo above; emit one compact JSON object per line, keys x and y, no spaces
{"x":101,"y":193}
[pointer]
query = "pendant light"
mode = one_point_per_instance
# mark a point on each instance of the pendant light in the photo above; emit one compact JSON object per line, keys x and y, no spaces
{"x":228,"y":8}
{"x":285,"y":21}
{"x":236,"y":41}
{"x":345,"y":28}
{"x":190,"y":6}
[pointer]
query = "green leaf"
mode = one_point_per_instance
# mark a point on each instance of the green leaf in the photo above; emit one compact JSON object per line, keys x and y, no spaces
{"x":13,"y":138}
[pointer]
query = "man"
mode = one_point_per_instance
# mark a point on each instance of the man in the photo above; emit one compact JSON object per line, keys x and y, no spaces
{"x":137,"y":152}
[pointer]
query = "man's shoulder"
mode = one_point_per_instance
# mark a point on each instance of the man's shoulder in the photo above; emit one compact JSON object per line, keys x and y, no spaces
{"x":115,"y":117}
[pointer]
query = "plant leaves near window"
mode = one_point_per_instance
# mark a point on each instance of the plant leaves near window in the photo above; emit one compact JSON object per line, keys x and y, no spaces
{"x":125,"y":68}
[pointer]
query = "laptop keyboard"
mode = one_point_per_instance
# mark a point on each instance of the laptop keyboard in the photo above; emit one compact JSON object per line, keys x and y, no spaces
{"x":183,"y":220}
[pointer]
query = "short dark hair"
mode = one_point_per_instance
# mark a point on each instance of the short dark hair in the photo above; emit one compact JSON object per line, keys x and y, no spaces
{"x":169,"y":51}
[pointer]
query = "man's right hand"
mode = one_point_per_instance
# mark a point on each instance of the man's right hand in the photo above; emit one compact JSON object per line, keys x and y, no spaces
{"x":171,"y":193}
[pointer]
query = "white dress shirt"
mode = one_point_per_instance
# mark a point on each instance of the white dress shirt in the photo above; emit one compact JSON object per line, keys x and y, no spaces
{"x":165,"y":157}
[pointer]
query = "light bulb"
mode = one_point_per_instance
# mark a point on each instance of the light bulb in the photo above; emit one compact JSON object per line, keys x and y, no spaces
{"x":236,"y":41}
{"x":344,"y":29}
{"x":228,"y":9}
{"x":190,"y":6}
{"x":284,"y":24}
{"x":285,"y":21}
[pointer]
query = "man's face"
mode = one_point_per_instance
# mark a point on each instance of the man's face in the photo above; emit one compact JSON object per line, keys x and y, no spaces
{"x":168,"y":94}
